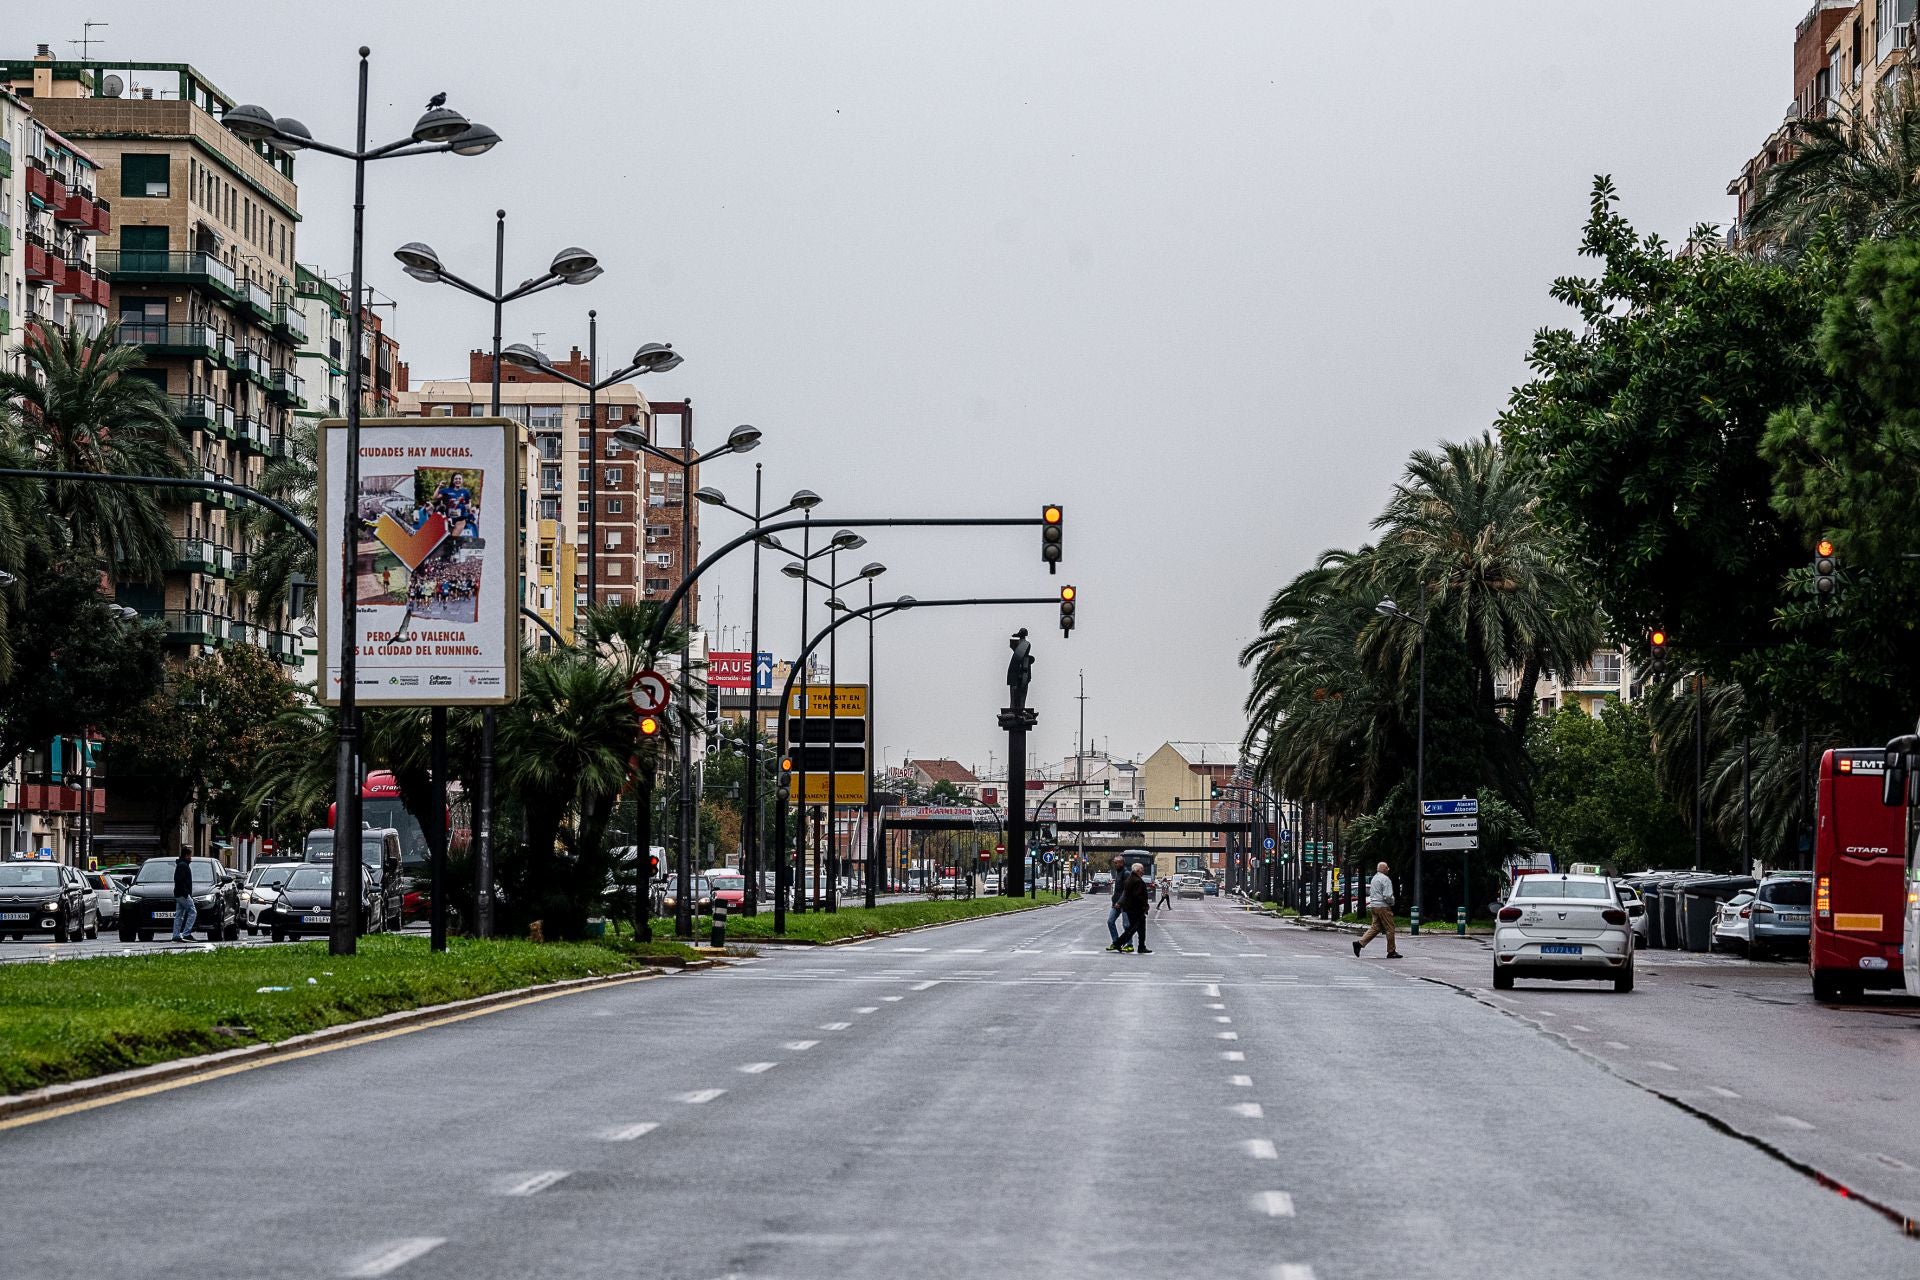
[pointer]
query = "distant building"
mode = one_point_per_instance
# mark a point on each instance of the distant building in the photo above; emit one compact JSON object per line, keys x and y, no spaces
{"x":1186,"y":772}
{"x":928,"y":774}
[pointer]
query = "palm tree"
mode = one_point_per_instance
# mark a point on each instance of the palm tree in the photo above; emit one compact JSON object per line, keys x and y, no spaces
{"x":285,"y":556}
{"x":1862,"y":177}
{"x":79,"y":406}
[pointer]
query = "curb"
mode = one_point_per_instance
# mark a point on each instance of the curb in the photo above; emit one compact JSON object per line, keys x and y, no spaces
{"x":890,"y":933}
{"x":55,"y":1095}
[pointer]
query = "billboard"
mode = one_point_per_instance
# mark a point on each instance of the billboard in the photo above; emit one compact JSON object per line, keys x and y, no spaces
{"x":727,"y":670}
{"x":437,"y":526}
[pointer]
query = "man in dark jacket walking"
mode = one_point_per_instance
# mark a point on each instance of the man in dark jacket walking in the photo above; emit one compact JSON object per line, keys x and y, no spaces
{"x":1116,"y":912}
{"x":1135,"y":901}
{"x":185,"y":915}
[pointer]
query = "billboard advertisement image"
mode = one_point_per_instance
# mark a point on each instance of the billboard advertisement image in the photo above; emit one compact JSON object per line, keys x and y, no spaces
{"x":436,"y":527}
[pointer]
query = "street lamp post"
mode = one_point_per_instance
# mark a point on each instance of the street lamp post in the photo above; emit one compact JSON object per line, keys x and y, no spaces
{"x":802,"y":500}
{"x":797,"y":569}
{"x":571,"y":265}
{"x":1388,"y":609}
{"x":439,"y":129}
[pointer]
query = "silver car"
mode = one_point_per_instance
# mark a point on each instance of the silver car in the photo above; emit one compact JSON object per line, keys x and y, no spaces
{"x":262,"y":890}
{"x":1562,"y":927}
{"x":1780,"y":917}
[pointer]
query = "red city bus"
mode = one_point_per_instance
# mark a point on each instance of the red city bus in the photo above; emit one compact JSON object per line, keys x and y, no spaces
{"x":1859,"y":885}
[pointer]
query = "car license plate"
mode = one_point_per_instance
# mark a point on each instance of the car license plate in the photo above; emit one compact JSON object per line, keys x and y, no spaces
{"x":1797,"y":917}
{"x":15,"y":915}
{"x":163,"y":915}
{"x":1559,"y":949}
{"x":320,"y":919}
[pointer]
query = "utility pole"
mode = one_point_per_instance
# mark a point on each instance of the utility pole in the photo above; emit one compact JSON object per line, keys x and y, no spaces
{"x":1080,"y":773}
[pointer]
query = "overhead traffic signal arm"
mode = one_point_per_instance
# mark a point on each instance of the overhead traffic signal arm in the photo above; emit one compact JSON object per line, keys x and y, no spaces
{"x":1053,"y":530}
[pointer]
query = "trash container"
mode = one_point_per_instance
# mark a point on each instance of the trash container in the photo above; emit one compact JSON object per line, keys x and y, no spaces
{"x":1702,"y":906}
{"x":1670,"y":915}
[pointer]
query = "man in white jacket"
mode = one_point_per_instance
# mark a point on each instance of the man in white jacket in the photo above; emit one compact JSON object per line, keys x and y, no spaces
{"x":1380,"y":907}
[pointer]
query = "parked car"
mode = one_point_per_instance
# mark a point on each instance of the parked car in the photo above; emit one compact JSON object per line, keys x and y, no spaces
{"x":1631,"y":897}
{"x":147,"y":905}
{"x":1781,"y":915}
{"x":106,"y":897}
{"x":1211,"y":888}
{"x":1730,"y":924}
{"x":304,"y":904}
{"x":1560,"y":927}
{"x":46,"y":897}
{"x":730,"y":888}
{"x":261,"y":889}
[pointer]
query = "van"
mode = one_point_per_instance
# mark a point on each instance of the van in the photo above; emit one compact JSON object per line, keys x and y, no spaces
{"x":380,"y":855}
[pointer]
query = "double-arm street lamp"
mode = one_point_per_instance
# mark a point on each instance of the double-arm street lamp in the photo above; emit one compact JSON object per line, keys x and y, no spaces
{"x":802,"y":500}
{"x":844,"y":540}
{"x":440,"y":129}
{"x":1388,"y":609}
{"x":572,"y":265}
{"x":742,"y":439}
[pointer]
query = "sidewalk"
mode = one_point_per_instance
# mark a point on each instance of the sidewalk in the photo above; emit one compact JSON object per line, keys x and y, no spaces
{"x":1475,"y":929}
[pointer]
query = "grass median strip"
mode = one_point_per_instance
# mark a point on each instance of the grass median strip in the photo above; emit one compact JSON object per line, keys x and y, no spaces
{"x":862,"y":922}
{"x":81,"y":1018}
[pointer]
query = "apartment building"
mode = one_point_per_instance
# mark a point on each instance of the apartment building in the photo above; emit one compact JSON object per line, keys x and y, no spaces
{"x":51,"y":216}
{"x":1176,"y":783}
{"x":1848,"y":57}
{"x":638,"y":523}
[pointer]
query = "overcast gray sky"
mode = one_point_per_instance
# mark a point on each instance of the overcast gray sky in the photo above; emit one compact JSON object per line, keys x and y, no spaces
{"x":1203,"y":272}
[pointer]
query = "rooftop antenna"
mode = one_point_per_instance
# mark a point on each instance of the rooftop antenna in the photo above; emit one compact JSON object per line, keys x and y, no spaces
{"x":87,"y":39}
{"x":537,"y":335}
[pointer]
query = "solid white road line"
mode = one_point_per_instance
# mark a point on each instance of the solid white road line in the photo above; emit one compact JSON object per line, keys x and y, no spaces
{"x":835,"y":1026}
{"x":1249,"y":1110}
{"x":1260,"y":1148}
{"x":1275,"y":1204}
{"x":1234,"y":1055}
{"x":534,"y":1184}
{"x":396,"y":1254}
{"x":757,"y":1068}
{"x":698,"y":1096}
{"x":628,"y":1132}
{"x":799,"y":1046}
{"x":913,"y":951}
{"x":1240,"y":1082}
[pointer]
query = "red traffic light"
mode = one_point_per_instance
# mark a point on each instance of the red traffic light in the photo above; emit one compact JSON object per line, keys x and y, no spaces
{"x":1824,"y":547}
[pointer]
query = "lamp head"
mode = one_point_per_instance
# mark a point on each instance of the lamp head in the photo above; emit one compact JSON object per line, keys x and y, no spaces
{"x":255,"y":124}
{"x":524,"y":356}
{"x":873,"y":569}
{"x":836,"y":603}
{"x":804,"y":500}
{"x":573,"y":261}
{"x":1387,"y":608}
{"x":905,"y":602}
{"x":793,"y":570}
{"x":440,"y":124}
{"x":655,"y":357}
{"x":743,"y":439}
{"x":292,"y":135}
{"x":770,"y":542}
{"x":474,"y":140}
{"x":632,"y":435}
{"x":846,"y":540}
{"x":710,"y":495}
{"x":421,"y":262}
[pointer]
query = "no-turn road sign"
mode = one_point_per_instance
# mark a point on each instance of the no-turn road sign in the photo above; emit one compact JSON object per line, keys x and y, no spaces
{"x":648,"y":692}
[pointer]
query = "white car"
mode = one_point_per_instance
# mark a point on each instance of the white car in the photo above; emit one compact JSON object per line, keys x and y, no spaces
{"x":1733,"y":927}
{"x":1561,"y":927}
{"x":263,"y":887}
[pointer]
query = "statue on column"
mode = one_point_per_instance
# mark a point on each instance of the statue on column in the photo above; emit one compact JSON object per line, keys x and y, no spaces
{"x":1019,"y":670}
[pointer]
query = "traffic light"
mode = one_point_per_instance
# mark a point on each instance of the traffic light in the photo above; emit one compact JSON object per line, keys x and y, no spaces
{"x":1213,"y":791}
{"x":1053,"y":523}
{"x":1176,"y":804}
{"x":649,"y":726}
{"x":1658,"y":642}
{"x":1825,"y":567}
{"x":1106,"y":787}
{"x":1067,"y":595}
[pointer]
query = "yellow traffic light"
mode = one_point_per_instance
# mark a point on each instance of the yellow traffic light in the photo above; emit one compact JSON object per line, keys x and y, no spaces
{"x":649,"y":727}
{"x":1053,"y":528}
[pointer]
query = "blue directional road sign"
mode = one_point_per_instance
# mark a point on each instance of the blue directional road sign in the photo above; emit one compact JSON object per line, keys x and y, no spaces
{"x":1268,"y":842}
{"x":1449,"y":808}
{"x":763,"y":672}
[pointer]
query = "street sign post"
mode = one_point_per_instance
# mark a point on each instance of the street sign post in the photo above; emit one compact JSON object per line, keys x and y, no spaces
{"x":827,"y":740}
{"x":1446,"y":825}
{"x":1436,"y":844}
{"x":649,"y":692}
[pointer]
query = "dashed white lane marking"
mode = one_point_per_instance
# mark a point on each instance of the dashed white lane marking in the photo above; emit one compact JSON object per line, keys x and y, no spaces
{"x":925,"y":986}
{"x":968,"y":951}
{"x":1724,"y":1093}
{"x":396,"y":1254}
{"x":1248,"y":1110}
{"x":913,"y":951}
{"x":892,"y":999}
{"x":799,"y":1046}
{"x":1198,"y":955}
{"x":1578,"y":1027}
{"x":835,"y":1026}
{"x":1275,"y":1204}
{"x":1211,"y":991}
{"x":868,"y":1008}
{"x":1023,"y":951}
{"x":757,"y":1068}
{"x":1240,"y":1082}
{"x":1233,"y":1055}
{"x":1615,"y":1044}
{"x":1251,"y":955}
{"x":1226,"y":1035}
{"x":1260,"y":1148}
{"x":698,"y":1096}
{"x":1291,"y":1271}
{"x":534,"y":1184}
{"x":1546,"y":1013}
{"x":1221,"y":1017}
{"x":1658,"y":1065}
{"x":628,"y":1132}
{"x":1215,"y":1006}
{"x":1794,"y":1122}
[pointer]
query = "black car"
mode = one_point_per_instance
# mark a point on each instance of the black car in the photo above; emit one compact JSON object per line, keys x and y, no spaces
{"x":305,"y":903}
{"x":146,"y":907}
{"x":45,"y":897}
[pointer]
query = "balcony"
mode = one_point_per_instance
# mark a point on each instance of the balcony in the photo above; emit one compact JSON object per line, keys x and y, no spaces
{"x":1600,"y":676}
{"x":79,"y":211}
{"x":159,"y":266}
{"x":251,"y":362}
{"x":225,"y":422}
{"x":193,"y":412}
{"x":285,"y":646}
{"x":6,"y":235}
{"x":58,"y":797}
{"x":44,"y":266}
{"x":217,"y":497}
{"x":6,"y":158}
{"x":226,"y":352}
{"x":83,"y":284}
{"x":198,"y":555}
{"x":287,"y":387}
{"x":254,"y":436}
{"x":192,"y":626}
{"x":289,"y":321}
{"x":259,"y":300}
{"x":172,"y":339}
{"x":43,"y":188}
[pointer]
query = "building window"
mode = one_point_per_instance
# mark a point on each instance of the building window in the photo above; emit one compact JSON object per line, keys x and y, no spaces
{"x":549,"y":508}
{"x":659,"y":531}
{"x":613,"y":568}
{"x":615,"y":597}
{"x":613,"y":539}
{"x":616,"y":506}
{"x":611,"y":476}
{"x":583,"y":475}
{"x":659,"y":584}
{"x":583,"y":506}
{"x":544,"y":417}
{"x":144,"y":176}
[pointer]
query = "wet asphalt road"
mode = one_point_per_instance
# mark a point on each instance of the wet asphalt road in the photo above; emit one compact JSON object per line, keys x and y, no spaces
{"x":998,"y":1098}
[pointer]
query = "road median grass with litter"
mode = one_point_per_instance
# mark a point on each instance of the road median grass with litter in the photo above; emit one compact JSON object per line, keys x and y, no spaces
{"x":862,"y":922}
{"x":81,"y":1018}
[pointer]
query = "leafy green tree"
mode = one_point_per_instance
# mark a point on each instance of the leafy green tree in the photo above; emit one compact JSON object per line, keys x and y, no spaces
{"x":946,"y":792}
{"x":1597,"y":797}
{"x":76,"y":404}
{"x":1643,"y":428}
